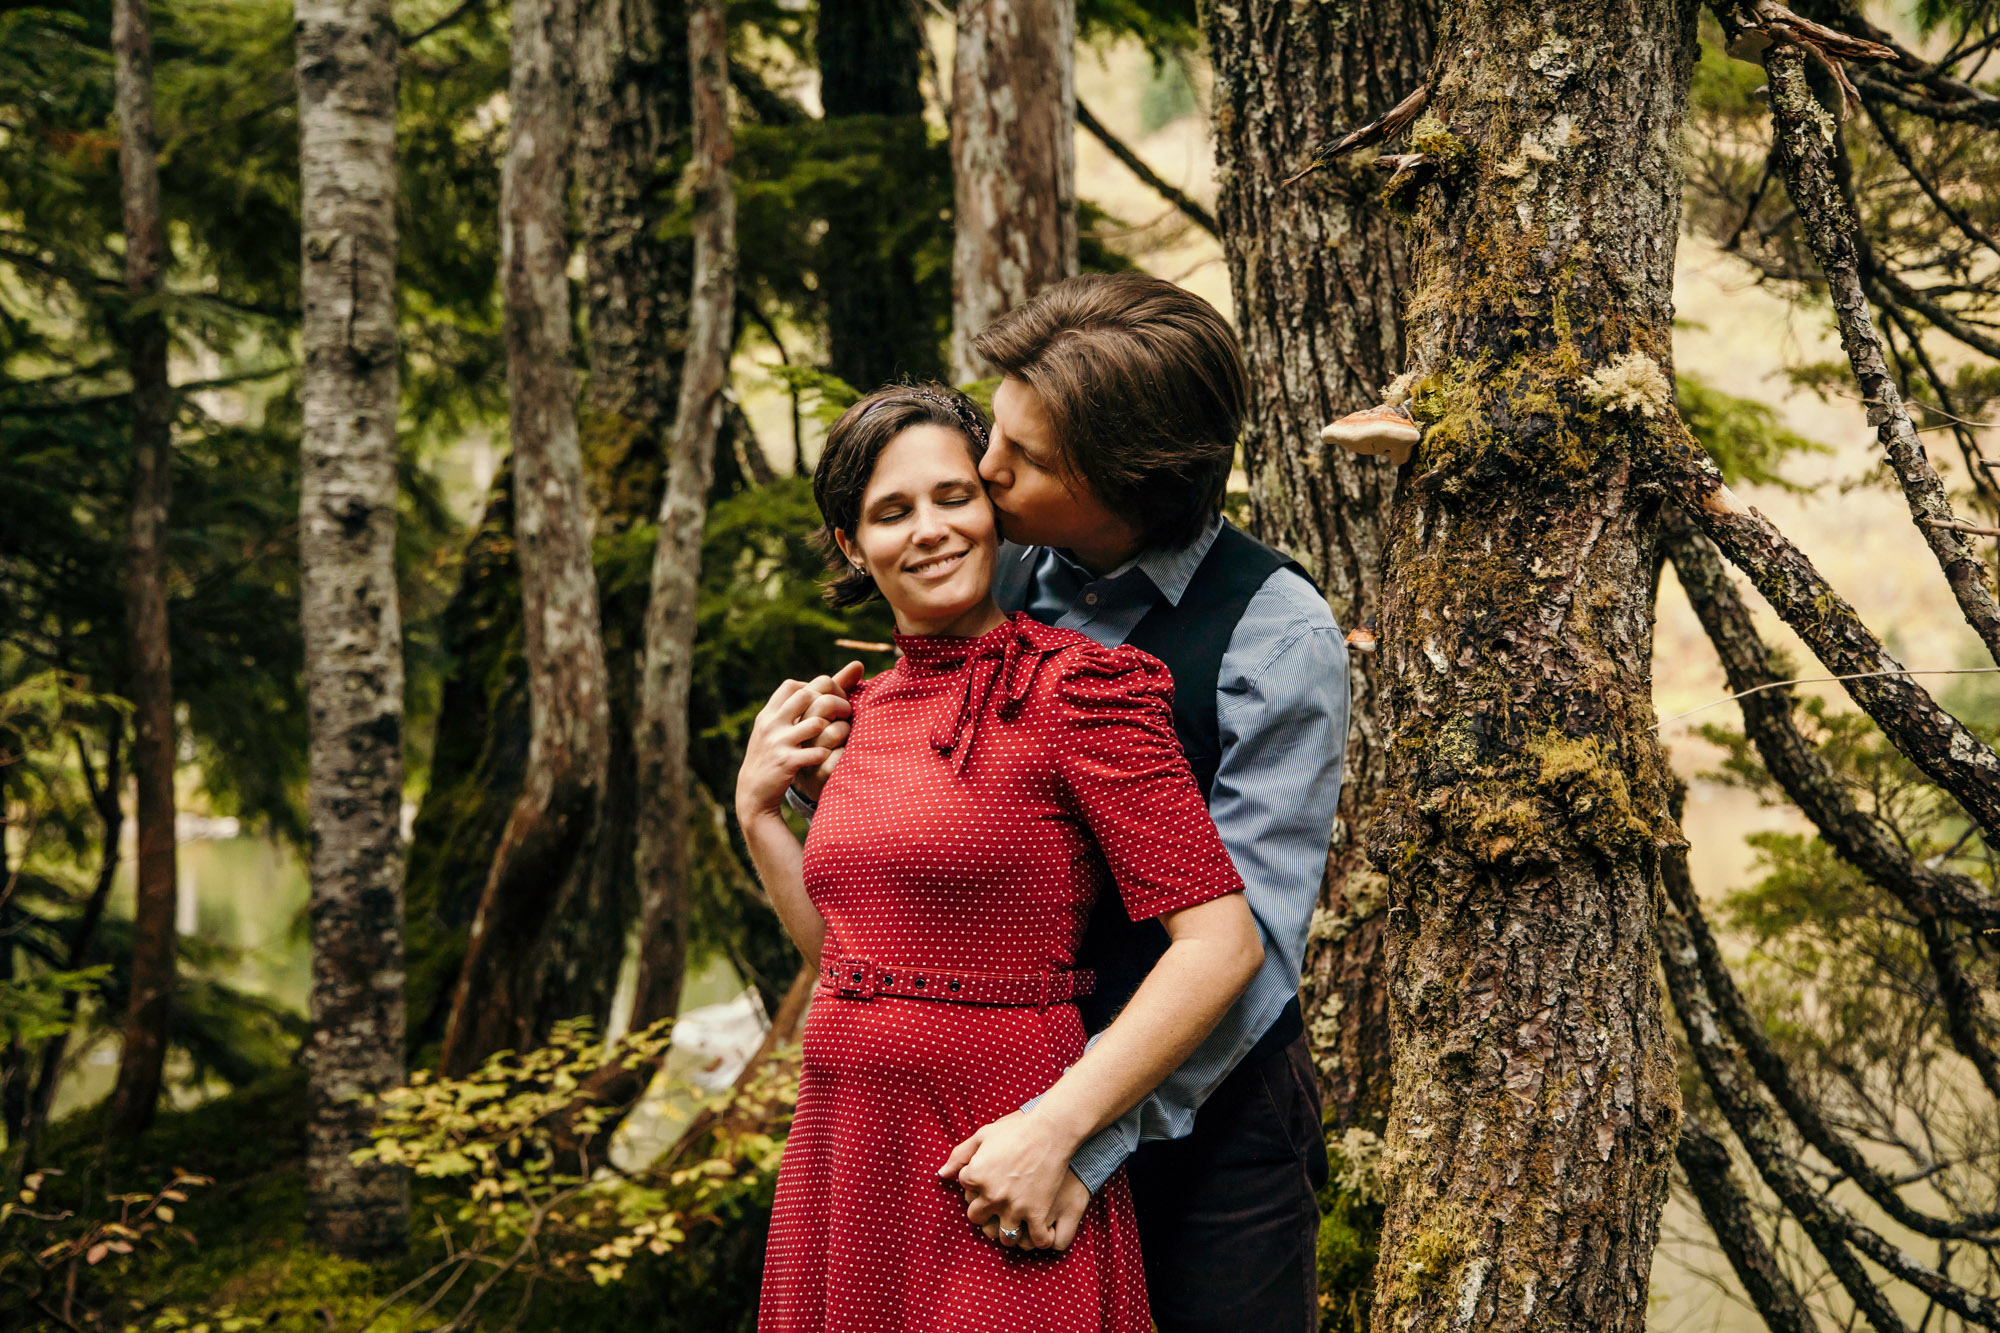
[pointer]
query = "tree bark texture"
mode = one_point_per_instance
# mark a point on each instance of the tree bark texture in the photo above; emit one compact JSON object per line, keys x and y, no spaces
{"x":1802,"y":146}
{"x":631,"y":67}
{"x":1013,"y":161}
{"x":632,"y":119}
{"x":144,"y":331}
{"x":870,"y":57}
{"x":665,"y":781}
{"x":520,"y":971}
{"x":1535,"y":1101}
{"x":348,"y":56}
{"x":1320,"y":271}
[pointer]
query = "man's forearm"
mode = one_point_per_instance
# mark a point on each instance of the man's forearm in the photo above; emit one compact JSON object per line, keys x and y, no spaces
{"x":1182,"y":998}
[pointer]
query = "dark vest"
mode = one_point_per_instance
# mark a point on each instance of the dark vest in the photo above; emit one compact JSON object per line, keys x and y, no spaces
{"x":1190,"y":638}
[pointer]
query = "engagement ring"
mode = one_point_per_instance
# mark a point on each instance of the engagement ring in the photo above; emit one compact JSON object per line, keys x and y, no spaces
{"x":1005,"y":1234}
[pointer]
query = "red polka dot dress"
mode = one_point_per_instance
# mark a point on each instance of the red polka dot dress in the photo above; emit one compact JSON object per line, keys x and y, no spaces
{"x":990,"y":789}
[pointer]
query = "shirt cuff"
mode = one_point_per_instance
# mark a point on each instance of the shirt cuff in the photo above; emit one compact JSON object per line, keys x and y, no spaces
{"x":800,"y":802}
{"x":1105,"y":1151}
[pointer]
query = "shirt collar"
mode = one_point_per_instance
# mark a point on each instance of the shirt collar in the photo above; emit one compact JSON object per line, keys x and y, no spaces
{"x":1169,"y":569}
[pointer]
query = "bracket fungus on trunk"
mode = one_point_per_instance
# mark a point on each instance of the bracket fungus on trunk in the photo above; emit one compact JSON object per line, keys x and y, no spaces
{"x":1382,"y":431}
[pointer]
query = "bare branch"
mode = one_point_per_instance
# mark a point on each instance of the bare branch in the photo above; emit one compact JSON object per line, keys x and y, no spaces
{"x":1135,"y":164}
{"x":1801,"y":147}
{"x":1706,"y":1163}
{"x":1833,"y":1231}
{"x":1936,"y":742}
{"x":1860,"y":839}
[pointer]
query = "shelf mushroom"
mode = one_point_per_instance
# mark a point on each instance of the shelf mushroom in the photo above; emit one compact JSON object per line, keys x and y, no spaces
{"x":1382,"y":431}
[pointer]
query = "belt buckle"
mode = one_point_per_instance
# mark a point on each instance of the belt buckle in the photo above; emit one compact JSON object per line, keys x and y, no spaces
{"x":856,"y":979}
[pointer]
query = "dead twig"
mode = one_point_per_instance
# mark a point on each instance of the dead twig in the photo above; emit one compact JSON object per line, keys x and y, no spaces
{"x":1375,"y":131}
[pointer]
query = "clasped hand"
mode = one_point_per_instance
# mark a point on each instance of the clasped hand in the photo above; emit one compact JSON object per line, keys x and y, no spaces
{"x":1016,"y":1178}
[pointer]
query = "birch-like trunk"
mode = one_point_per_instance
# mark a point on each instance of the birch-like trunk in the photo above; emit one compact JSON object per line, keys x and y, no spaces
{"x":1013,"y":163}
{"x":507,"y":989}
{"x":665,"y":782}
{"x":348,"y":54}
{"x":144,"y":332}
{"x":1320,"y":271}
{"x":1535,"y":1102}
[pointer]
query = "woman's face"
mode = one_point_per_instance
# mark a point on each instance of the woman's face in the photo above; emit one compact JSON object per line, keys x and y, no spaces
{"x":926,"y":533}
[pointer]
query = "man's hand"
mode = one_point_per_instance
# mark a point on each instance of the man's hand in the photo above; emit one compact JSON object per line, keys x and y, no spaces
{"x":1015,"y":1175}
{"x":829,"y":704}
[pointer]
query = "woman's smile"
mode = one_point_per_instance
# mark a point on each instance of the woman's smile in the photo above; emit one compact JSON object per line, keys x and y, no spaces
{"x":937,"y":566}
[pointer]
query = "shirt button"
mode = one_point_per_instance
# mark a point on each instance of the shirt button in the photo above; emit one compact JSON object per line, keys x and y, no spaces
{"x":1090,"y":599}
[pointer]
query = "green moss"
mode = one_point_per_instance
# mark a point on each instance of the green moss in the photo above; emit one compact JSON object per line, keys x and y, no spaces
{"x":1450,"y":152}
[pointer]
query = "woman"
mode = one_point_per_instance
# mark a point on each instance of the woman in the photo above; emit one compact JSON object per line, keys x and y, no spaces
{"x":995,"y":780}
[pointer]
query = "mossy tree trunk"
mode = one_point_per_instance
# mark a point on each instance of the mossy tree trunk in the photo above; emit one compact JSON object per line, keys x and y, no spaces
{"x":1535,"y":1103}
{"x":876,"y":326}
{"x":526,"y":962}
{"x":1013,"y":162}
{"x":348,"y":55}
{"x":150,"y":663}
{"x":1320,"y":271}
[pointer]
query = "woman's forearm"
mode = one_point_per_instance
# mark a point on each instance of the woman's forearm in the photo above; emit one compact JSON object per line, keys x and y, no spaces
{"x":1182,"y":999}
{"x":780,"y":866}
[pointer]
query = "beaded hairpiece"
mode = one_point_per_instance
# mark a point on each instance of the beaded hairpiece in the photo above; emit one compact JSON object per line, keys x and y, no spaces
{"x":957,"y":404}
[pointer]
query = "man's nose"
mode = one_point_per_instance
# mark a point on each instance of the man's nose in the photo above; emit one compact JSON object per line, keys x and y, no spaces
{"x":990,"y":469}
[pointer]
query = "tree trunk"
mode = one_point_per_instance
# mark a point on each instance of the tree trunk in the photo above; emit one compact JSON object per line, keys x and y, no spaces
{"x":632,"y":116}
{"x":1013,"y":161}
{"x":348,"y":54}
{"x":521,"y":968}
{"x":665,"y":783}
{"x":1320,"y":271}
{"x":870,"y":56}
{"x":145,"y":336}
{"x":1535,"y":1102}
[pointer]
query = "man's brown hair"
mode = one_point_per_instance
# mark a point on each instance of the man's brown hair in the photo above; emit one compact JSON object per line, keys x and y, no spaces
{"x":1144,"y":385}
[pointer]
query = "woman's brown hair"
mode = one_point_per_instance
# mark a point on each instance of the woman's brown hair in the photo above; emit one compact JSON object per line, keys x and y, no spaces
{"x":848,"y":461}
{"x":1144,"y":385}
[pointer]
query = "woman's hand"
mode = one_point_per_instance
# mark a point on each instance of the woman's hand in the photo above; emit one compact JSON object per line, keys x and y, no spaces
{"x":1016,"y":1179}
{"x":1013,"y":1172}
{"x":789,"y":737}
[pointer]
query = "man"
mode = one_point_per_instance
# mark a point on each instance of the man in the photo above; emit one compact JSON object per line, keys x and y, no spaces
{"x":1114,"y":433}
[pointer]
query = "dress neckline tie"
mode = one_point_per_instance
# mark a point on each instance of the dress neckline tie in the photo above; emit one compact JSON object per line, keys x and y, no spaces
{"x":1005,"y":658}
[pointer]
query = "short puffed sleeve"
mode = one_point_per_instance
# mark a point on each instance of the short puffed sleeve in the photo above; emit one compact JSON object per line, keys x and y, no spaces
{"x":1129,"y":781}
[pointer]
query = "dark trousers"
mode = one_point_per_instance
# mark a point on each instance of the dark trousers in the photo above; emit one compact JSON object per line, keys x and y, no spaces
{"x":1228,"y":1218}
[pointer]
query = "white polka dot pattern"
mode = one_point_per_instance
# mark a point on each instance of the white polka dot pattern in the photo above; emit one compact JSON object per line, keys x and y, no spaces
{"x":990,"y":789}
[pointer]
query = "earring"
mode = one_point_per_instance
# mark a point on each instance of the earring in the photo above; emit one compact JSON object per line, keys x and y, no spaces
{"x":858,"y":565}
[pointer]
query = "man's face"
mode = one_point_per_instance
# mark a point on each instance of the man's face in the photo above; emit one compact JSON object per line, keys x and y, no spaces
{"x":1039,"y":501}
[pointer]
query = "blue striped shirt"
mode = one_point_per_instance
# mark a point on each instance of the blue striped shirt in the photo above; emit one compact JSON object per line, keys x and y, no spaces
{"x":1281,"y":702}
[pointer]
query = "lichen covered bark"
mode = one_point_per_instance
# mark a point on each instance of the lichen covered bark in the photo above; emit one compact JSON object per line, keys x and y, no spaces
{"x":1535,"y":1101}
{"x":517,"y":974}
{"x":1013,"y":158}
{"x":1319,"y":272}
{"x":348,"y":54}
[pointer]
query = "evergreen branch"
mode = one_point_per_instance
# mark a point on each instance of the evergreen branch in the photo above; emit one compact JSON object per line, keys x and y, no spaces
{"x":1135,"y":164}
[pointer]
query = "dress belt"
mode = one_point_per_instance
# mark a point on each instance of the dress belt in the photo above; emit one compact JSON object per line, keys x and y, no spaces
{"x":859,"y":979}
